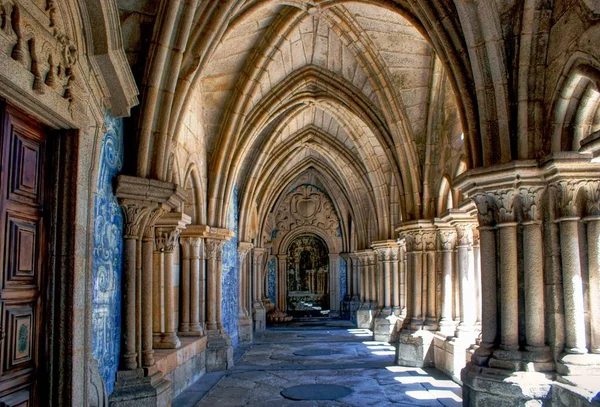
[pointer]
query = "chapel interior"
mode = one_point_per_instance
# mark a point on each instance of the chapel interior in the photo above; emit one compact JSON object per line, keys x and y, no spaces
{"x":183,"y":181}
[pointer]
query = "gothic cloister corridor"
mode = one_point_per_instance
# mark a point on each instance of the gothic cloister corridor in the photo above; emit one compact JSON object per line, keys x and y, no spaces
{"x":184,"y":182}
{"x":332,"y":353}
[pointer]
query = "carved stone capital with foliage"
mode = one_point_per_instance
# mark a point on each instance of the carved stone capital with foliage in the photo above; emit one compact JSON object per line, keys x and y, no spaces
{"x":134,"y":214}
{"x":447,"y":239}
{"x":566,"y":198}
{"x":166,"y":238}
{"x":485,"y":208}
{"x":531,"y":203}
{"x":504,"y":200}
{"x":464,"y":234}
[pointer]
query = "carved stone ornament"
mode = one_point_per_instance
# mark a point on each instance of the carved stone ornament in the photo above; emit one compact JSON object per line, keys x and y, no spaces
{"x":166,"y":238}
{"x":414,"y":241}
{"x":464,"y":234}
{"x":307,"y":206}
{"x":447,"y":239}
{"x":505,"y":204}
{"x":592,"y":198}
{"x":531,"y":201}
{"x":243,"y":254}
{"x":40,"y":45}
{"x":213,"y":248}
{"x":566,"y":194}
{"x":154,"y":215}
{"x":133,"y":213}
{"x":485,"y":208}
{"x":429,"y":240}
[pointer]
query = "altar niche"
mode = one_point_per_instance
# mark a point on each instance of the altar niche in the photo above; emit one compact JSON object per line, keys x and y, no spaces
{"x":308,"y":276}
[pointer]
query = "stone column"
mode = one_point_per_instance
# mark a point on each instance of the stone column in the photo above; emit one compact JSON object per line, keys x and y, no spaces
{"x":258,"y":309}
{"x":489,"y":307}
{"x":147,"y":299}
{"x":134,"y":212}
{"x":213,"y":249}
{"x":192,"y":276}
{"x":402,"y":276}
{"x":571,"y":267}
{"x":355,"y":279}
{"x":429,"y":238}
{"x":245,"y":321}
{"x":533,"y":269}
{"x":281,"y":281}
{"x":592,"y":221}
{"x":364,"y":288}
{"x":395,"y":281}
{"x":334,"y":282}
{"x":372,"y":267}
{"x":168,"y":228}
{"x":477,"y":277}
{"x":447,"y":238}
{"x":464,"y":253}
{"x":414,"y":248}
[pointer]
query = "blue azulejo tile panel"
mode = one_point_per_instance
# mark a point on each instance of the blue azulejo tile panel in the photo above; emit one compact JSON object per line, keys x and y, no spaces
{"x":230,"y":283}
{"x":342,"y":278}
{"x":272,"y":278}
{"x":107,"y":257}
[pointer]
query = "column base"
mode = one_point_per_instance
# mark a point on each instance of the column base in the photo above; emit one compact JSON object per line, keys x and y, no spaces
{"x":260,"y":317}
{"x":168,"y":340}
{"x":451,"y":355}
{"x":447,"y":327}
{"x":484,"y":387}
{"x":136,"y":388}
{"x":364,"y":318}
{"x":219,"y":351}
{"x":245,"y":329}
{"x":415,"y":349}
{"x":579,"y":365}
{"x":384,"y":325}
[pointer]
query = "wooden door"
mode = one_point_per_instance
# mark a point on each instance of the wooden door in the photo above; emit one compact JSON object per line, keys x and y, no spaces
{"x":22,"y":258}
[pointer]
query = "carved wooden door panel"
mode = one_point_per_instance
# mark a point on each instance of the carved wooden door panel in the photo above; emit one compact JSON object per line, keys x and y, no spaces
{"x":22,"y":258}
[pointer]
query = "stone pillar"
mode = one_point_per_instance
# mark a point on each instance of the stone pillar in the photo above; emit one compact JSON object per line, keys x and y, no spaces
{"x":385,"y":321}
{"x":258,"y":310}
{"x":592,"y":221}
{"x":402,"y":276}
{"x":571,"y":267}
{"x":168,"y":228}
{"x":465,"y":263}
{"x":334,"y":283}
{"x":364,"y":288}
{"x":429,"y":271}
{"x":395,"y":281}
{"x":134,"y":213}
{"x":281,"y":281}
{"x":533,"y":269}
{"x":355,"y":280}
{"x":489,"y":304}
{"x":148,"y":285}
{"x":447,"y":238}
{"x":414,"y":248}
{"x":213,"y":247}
{"x":245,"y":321}
{"x":193,"y":276}
{"x":372,"y":266}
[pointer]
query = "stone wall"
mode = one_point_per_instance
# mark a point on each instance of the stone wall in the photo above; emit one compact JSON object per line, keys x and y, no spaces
{"x":107,"y":257}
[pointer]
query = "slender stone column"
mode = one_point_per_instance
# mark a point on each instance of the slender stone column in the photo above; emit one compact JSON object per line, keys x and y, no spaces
{"x":281,"y":283}
{"x":402,"y":276}
{"x":571,"y":268}
{"x":148,"y":286}
{"x":192,"y":286}
{"x":168,"y":228}
{"x":414,"y":248}
{"x":364,"y":288}
{"x":395,"y":281}
{"x":464,"y":252}
{"x":509,"y":283}
{"x":593,"y":242}
{"x":489,"y":305}
{"x":477,"y":277}
{"x":533,"y":269}
{"x":244,"y":249}
{"x":355,"y":278}
{"x":429,"y":238}
{"x":134,"y":213}
{"x":213,"y":247}
{"x":448,"y":241}
{"x":157,"y":292}
{"x":334,"y":282}
{"x":372,"y":266}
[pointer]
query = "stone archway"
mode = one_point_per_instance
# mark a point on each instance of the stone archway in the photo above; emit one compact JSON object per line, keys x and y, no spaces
{"x":307,"y":284}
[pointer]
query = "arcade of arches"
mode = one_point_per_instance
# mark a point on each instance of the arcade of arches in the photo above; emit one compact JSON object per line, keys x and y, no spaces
{"x":173,"y":171}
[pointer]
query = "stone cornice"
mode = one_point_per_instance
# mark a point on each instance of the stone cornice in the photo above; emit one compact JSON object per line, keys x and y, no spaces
{"x":196,"y":231}
{"x":151,"y":190}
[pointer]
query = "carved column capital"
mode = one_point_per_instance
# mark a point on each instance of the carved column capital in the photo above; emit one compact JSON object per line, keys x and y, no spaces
{"x":447,"y":239}
{"x":134,"y":214}
{"x":592,"y":198}
{"x":156,"y":213}
{"x":485,"y":208}
{"x":566,"y":197}
{"x":414,"y":240}
{"x":531,"y":202}
{"x":166,"y":238}
{"x":504,"y":200}
{"x":464,"y":234}
{"x":429,"y":239}
{"x":214,"y":248}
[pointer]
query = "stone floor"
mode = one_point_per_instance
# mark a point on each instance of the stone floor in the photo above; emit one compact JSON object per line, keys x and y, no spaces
{"x":349,"y":357}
